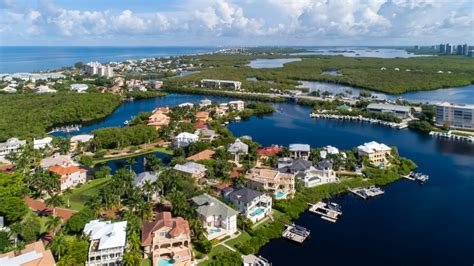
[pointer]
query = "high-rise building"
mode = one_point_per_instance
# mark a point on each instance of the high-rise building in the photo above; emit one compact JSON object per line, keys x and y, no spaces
{"x":442,"y":48}
{"x":459,"y":50}
{"x":96,"y":68}
{"x":448,"y":49}
{"x":465,"y":49}
{"x":455,"y":115}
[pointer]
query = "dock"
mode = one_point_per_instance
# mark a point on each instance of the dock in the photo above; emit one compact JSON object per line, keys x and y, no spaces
{"x":296,"y":233}
{"x":418,"y":177}
{"x":328,"y":211}
{"x":366,"y":193}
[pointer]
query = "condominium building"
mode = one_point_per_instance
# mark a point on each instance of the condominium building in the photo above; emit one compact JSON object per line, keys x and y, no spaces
{"x":11,"y":145}
{"x":399,"y":111}
{"x":377,"y":152}
{"x":455,"y":115}
{"x":281,"y":185}
{"x":107,"y":242}
{"x":166,"y":239}
{"x":221,"y":84}
{"x":96,"y":68}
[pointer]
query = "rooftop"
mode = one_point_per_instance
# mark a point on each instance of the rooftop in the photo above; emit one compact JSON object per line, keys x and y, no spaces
{"x":178,"y":227}
{"x":32,"y":254}
{"x":204,"y":155}
{"x":208,"y":206}
{"x":392,"y":107}
{"x":373,"y":146}
{"x":300,"y":147}
{"x":245,"y":195}
{"x":109,"y":234}
{"x":190,"y":167}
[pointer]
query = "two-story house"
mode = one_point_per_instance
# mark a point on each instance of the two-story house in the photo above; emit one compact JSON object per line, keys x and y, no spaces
{"x":107,"y":242}
{"x":281,"y":185}
{"x":253,"y":204}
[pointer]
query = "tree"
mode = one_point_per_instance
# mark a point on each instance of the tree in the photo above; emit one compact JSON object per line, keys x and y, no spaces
{"x":131,"y":258}
{"x":227,"y":258}
{"x":53,"y":224}
{"x":86,"y":161}
{"x":29,"y":230}
{"x":94,"y":204}
{"x":59,"y":245}
{"x":103,"y":172}
{"x":54,"y":201}
{"x":148,"y":189}
{"x":13,"y":208}
{"x":67,"y":193}
{"x":5,"y":242}
{"x":76,"y":223}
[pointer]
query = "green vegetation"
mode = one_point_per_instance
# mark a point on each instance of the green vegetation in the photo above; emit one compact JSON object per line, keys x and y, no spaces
{"x":117,"y":137}
{"x":145,"y":94}
{"x":30,"y":116}
{"x":417,"y":73}
{"x":86,"y":191}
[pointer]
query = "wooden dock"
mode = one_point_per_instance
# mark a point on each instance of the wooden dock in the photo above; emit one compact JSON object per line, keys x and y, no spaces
{"x":326,"y":213}
{"x":296,"y":233}
{"x":366,"y":193}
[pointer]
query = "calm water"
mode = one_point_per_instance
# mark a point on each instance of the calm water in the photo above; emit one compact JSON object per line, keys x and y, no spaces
{"x":359,"y":52}
{"x":138,"y":165}
{"x":409,"y":225}
{"x":454,"y":95}
{"x":271,"y":63}
{"x":35,"y":58}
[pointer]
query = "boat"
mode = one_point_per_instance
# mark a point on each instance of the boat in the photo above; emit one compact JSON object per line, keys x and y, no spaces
{"x":237,"y":118}
{"x":126,"y":122}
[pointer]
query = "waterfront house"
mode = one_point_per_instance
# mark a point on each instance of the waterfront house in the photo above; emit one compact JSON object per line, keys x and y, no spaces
{"x":281,"y":185}
{"x":238,"y":148}
{"x":300,"y":151}
{"x":79,"y":88}
{"x":69,"y":175}
{"x":328,"y":150}
{"x":33,"y":254}
{"x":217,"y":218}
{"x":42,"y":143}
{"x":191,"y":169}
{"x":202,"y":116}
{"x":203,"y":155}
{"x":11,"y":145}
{"x":319,"y":175}
{"x":252,"y":204}
{"x":185,"y":138}
{"x":288,"y":165}
{"x":158,"y":118}
{"x":107,"y":241}
{"x":205,"y":102}
{"x":399,"y":111}
{"x":206,"y":134}
{"x":269,"y":151}
{"x":75,"y":140}
{"x":377,"y":152}
{"x":167,"y":238}
{"x":237,"y":105}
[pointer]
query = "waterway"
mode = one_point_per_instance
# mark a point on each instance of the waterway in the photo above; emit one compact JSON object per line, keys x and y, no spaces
{"x":271,"y":63}
{"x":411,"y":224}
{"x":359,"y":52}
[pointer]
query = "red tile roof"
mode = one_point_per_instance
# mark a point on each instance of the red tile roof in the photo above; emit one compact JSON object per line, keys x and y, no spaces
{"x":274,"y":150}
{"x":38,"y":205}
{"x":178,"y":226}
{"x":204,"y":155}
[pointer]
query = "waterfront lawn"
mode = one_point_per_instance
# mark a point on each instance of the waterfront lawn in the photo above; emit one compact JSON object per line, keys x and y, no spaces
{"x":215,"y":250}
{"x":83,"y":193}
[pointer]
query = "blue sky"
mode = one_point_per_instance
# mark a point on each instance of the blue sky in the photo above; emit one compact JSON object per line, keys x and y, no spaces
{"x":235,"y":22}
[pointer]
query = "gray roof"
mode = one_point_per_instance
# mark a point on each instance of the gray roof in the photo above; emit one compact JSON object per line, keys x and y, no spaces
{"x":141,"y":178}
{"x":190,"y":167}
{"x":208,"y":206}
{"x":300,"y":147}
{"x":324,"y":165}
{"x":244,"y":195}
{"x":238,"y":147}
{"x":298,"y":165}
{"x":389,"y":107}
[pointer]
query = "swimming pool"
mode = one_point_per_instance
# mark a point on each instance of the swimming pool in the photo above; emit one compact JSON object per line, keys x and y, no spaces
{"x":165,"y":262}
{"x":280,"y":194}
{"x":257,"y":212}
{"x":214,"y":230}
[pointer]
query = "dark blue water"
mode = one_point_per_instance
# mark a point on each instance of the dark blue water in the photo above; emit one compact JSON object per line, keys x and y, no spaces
{"x":409,"y":225}
{"x":35,"y":58}
{"x":138,"y":165}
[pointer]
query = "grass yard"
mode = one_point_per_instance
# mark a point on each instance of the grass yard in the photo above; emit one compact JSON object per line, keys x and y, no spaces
{"x":244,"y":236}
{"x":215,"y":250}
{"x":80,"y":195}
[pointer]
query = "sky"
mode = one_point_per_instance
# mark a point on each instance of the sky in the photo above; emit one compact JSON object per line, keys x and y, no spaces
{"x":235,"y":22}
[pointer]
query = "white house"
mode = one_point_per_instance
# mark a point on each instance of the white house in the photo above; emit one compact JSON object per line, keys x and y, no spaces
{"x":185,"y":138}
{"x":238,"y":148}
{"x":42,"y":143}
{"x":322,"y":174}
{"x":251,"y":203}
{"x":107,"y":242}
{"x":192,"y":169}
{"x":377,"y":152}
{"x":75,"y":140}
{"x":11,"y":145}
{"x":9,"y":89}
{"x":44,"y":89}
{"x":237,"y":105}
{"x":328,"y":150}
{"x":79,"y":88}
{"x":300,"y":151}
{"x":218,"y":219}
{"x":57,"y":159}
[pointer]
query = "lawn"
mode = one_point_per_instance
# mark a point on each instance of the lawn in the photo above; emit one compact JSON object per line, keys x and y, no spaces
{"x":215,"y":250}
{"x":145,"y":262}
{"x":81,"y":194}
{"x":244,"y":236}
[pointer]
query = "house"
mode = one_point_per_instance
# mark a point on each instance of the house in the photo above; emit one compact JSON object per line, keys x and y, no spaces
{"x":205,"y":103}
{"x":281,"y":185}
{"x":252,"y":260}
{"x":217,"y":218}
{"x":69,"y":175}
{"x":377,"y":152}
{"x":79,"y":88}
{"x":75,"y":140}
{"x":200,"y":125}
{"x":206,"y":134}
{"x":328,"y":150}
{"x":399,"y":111}
{"x":269,"y":151}
{"x":107,"y":242}
{"x":202,"y":116}
{"x":57,"y":159}
{"x":238,"y":148}
{"x":33,"y":254}
{"x":203,"y":155}
{"x":185,"y":138}
{"x":144,"y":177}
{"x":288,"y":165}
{"x":322,"y":174}
{"x":188,"y":105}
{"x":11,"y":145}
{"x":42,"y":143}
{"x":9,"y":89}
{"x":300,"y":151}
{"x":253,"y":204}
{"x":44,"y":89}
{"x":158,"y":118}
{"x":191,"y":169}
{"x":167,"y":238}
{"x":237,"y":105}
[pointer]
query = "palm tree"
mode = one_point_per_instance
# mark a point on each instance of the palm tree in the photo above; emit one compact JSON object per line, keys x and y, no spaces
{"x":131,"y":258}
{"x":147,"y":189}
{"x":144,"y":211}
{"x":59,"y":245}
{"x":95,"y":204}
{"x":54,"y":201}
{"x":53,"y":224}
{"x":68,"y":193}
